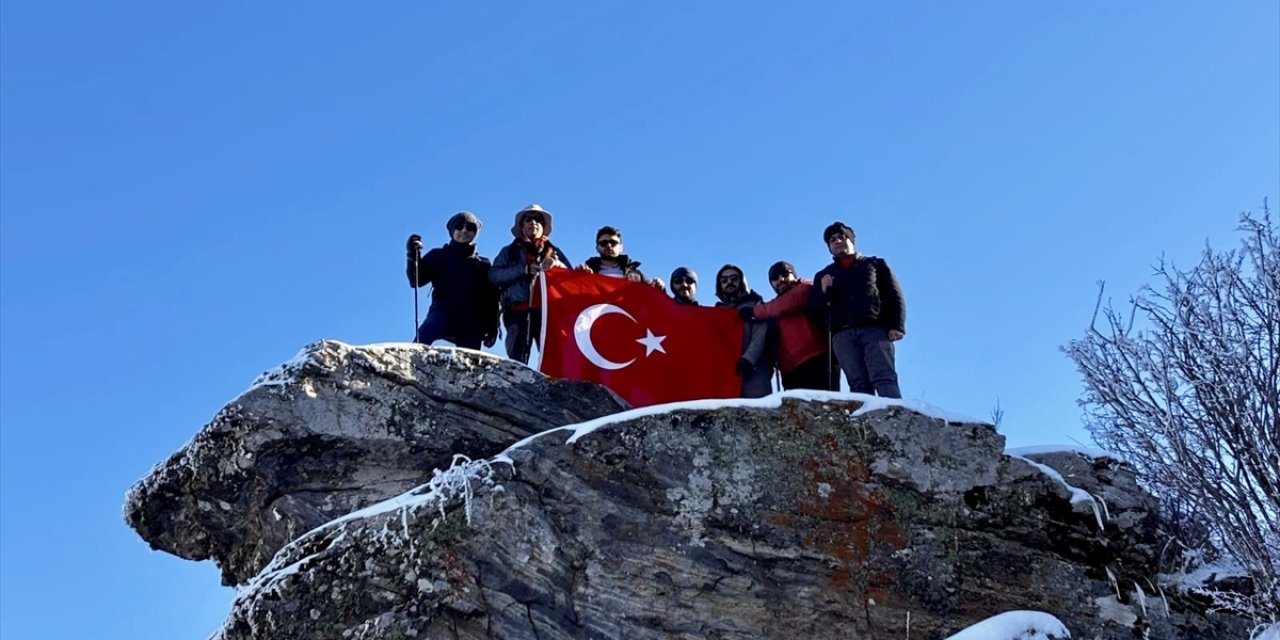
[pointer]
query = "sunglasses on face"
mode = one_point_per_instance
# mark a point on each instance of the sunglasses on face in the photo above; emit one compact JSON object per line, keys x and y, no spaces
{"x":607,"y":243}
{"x":537,"y":219}
{"x":732,"y":278}
{"x":467,"y":226}
{"x":683,"y":280}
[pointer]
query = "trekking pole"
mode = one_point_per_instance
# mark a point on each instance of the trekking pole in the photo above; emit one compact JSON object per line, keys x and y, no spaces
{"x":528,"y":323}
{"x":833,"y":385}
{"x":415,"y":295}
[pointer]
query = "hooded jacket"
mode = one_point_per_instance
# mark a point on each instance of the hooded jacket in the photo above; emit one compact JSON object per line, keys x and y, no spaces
{"x":756,"y":334}
{"x":510,"y":271}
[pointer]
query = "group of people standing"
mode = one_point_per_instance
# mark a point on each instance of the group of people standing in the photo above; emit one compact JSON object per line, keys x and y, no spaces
{"x":847,"y":318}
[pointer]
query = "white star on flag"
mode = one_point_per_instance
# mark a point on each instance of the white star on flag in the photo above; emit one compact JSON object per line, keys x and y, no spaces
{"x":651,"y":342}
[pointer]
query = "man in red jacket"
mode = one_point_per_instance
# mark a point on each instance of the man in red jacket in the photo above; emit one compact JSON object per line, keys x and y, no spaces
{"x":803,"y":357}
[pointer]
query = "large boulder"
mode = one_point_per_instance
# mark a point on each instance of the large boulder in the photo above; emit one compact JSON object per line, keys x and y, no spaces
{"x":815,"y":516}
{"x":336,"y":429}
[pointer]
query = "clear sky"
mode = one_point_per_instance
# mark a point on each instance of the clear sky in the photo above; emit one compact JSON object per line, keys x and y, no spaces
{"x":190,"y":192}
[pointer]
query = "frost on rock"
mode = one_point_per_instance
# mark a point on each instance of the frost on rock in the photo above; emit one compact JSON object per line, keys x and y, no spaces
{"x":456,"y":485}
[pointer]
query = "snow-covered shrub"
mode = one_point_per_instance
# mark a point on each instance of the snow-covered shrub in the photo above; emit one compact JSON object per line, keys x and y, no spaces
{"x":1185,"y":384}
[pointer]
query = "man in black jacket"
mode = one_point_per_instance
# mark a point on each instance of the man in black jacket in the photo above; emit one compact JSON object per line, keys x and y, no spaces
{"x":864,"y":307}
{"x":514,"y":270}
{"x":464,"y":305}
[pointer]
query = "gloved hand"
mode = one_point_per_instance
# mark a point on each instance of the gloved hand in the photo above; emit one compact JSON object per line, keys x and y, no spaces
{"x":414,"y":246}
{"x":491,"y":340}
{"x":747,"y":313}
{"x":744,"y":367}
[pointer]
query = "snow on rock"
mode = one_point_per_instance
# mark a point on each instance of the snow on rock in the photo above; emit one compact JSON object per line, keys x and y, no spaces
{"x":1016,"y":625}
{"x":403,"y":491}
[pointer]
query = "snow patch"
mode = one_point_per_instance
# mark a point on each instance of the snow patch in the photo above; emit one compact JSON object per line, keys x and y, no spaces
{"x":1088,"y":452}
{"x":1016,"y":625}
{"x":870,"y":403}
{"x":1078,"y":495}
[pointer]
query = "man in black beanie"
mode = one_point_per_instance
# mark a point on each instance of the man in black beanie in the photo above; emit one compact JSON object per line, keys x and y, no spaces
{"x":464,"y":305}
{"x":803,"y":357}
{"x":684,"y":286}
{"x":864,"y":310}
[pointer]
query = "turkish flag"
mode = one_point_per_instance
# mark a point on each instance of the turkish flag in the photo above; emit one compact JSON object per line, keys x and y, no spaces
{"x":630,"y":337}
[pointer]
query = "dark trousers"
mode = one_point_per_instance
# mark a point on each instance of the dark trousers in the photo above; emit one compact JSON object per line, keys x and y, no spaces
{"x":866,"y":356}
{"x":814,"y":373}
{"x":758,"y":383}
{"x":433,"y":328}
{"x":523,"y":328}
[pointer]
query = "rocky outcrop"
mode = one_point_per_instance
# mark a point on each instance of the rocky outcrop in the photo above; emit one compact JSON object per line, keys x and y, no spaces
{"x":334,"y":430}
{"x":809,"y":515}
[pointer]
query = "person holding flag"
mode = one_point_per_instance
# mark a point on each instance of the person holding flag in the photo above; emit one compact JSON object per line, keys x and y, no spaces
{"x":514,"y":271}
{"x":755,"y":364}
{"x":803,"y":358}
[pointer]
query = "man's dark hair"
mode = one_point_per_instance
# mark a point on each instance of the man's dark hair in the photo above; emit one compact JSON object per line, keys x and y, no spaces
{"x":837,"y":227}
{"x":608,"y":231}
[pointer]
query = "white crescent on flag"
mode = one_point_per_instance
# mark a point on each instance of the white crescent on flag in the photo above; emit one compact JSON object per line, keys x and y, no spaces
{"x":582,"y":336}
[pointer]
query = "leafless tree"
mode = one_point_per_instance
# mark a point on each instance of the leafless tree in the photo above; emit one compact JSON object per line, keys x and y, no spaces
{"x":1184,"y":382}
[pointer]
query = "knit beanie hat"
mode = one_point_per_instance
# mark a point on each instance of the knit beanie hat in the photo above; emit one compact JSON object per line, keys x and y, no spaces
{"x":681,"y":272}
{"x":837,"y":227}
{"x":780,"y":267}
{"x":460,"y":218}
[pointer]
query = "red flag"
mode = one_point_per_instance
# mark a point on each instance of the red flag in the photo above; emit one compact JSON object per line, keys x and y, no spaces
{"x":632,"y":338}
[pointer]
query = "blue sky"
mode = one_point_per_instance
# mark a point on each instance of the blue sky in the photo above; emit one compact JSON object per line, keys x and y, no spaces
{"x":190,"y":193}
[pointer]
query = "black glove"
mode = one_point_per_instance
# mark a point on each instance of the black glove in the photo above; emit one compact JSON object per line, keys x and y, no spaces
{"x":491,"y":339}
{"x":747,"y":313}
{"x":414,"y":245}
{"x":744,"y":367}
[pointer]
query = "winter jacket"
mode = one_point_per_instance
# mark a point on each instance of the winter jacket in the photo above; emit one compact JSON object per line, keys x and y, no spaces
{"x":510,"y":271}
{"x":863,"y":294}
{"x":461,"y":290}
{"x":799,"y":337}
{"x":625,"y":262}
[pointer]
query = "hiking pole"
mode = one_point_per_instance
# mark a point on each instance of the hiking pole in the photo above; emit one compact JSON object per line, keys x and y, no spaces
{"x":528,"y":322}
{"x":832,"y":385}
{"x":415,"y":294}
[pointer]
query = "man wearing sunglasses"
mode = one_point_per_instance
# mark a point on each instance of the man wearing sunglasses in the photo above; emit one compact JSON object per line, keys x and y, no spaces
{"x":514,"y":271}
{"x":755,"y":366}
{"x":610,"y":260}
{"x":684,"y":286}
{"x":865,"y":311}
{"x":464,"y":305}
